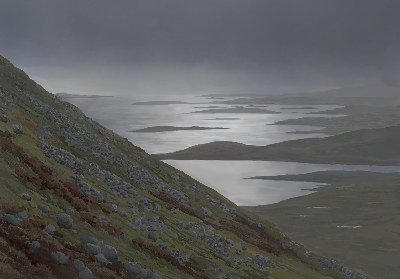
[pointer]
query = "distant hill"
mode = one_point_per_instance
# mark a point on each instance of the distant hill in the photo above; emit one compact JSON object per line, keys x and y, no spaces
{"x":370,"y":146}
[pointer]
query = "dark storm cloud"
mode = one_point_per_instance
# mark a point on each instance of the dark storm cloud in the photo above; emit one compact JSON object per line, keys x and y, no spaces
{"x":252,"y":44}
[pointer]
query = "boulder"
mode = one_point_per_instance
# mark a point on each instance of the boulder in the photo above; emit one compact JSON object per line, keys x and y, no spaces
{"x":133,"y":268}
{"x":11,"y":219}
{"x":109,"y":252}
{"x":60,"y":257}
{"x":44,"y":208}
{"x":64,"y":221}
{"x":23,"y":215}
{"x":85,"y":274}
{"x":92,"y":249}
{"x":101,"y":259}
{"x":35,"y":246}
{"x":26,"y":197}
{"x":17,"y":129}
{"x":79,"y":265}
{"x":152,"y":235}
{"x":50,"y":229}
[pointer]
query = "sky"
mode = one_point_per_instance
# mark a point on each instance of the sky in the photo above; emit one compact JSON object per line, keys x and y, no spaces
{"x":124,"y":47}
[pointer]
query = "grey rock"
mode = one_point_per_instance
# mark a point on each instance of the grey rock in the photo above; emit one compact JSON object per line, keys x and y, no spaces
{"x":207,"y":212}
{"x":44,"y":208}
{"x":123,"y":214}
{"x":3,"y":119}
{"x":35,"y":246}
{"x":152,"y":275}
{"x":152,"y":235}
{"x":17,"y":129}
{"x":86,"y":274}
{"x":23,"y":215}
{"x":109,"y":252}
{"x":92,"y":249}
{"x":79,"y":265}
{"x":114,"y":207}
{"x":60,"y":257}
{"x":101,"y":259}
{"x":89,"y":239}
{"x":69,"y":211}
{"x":64,"y":221}
{"x":11,"y":219}
{"x":26,"y":196}
{"x":50,"y":229}
{"x":133,"y":268}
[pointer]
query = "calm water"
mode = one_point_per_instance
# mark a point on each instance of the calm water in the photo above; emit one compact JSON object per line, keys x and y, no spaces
{"x":121,"y":116}
{"x":227,"y":177}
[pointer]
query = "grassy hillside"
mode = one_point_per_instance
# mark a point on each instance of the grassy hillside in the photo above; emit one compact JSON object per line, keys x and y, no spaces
{"x":355,"y":218}
{"x":77,"y":200}
{"x":369,"y":146}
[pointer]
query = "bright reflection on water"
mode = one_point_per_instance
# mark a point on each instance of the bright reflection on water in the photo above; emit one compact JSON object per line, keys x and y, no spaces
{"x":226,"y":177}
{"x":121,"y":116}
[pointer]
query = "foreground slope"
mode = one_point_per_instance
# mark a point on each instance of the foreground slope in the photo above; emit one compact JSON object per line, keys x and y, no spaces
{"x":369,"y":146}
{"x":78,"y":200}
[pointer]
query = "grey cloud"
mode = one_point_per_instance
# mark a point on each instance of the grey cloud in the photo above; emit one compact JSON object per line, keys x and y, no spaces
{"x":251,"y":44}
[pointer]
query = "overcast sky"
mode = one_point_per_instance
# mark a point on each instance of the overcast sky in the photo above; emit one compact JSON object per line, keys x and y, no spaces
{"x":192,"y":46}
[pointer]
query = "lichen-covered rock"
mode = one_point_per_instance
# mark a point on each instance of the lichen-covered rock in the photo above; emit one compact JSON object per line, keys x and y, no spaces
{"x":64,"y":221}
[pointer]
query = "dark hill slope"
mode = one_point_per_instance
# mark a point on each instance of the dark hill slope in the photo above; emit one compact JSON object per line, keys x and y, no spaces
{"x":78,"y":200}
{"x":370,"y":146}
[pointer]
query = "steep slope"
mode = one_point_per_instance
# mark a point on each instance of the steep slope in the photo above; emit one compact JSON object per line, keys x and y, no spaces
{"x":78,"y":200}
{"x":370,"y":146}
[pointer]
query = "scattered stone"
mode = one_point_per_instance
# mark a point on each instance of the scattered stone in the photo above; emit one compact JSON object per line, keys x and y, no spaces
{"x":92,"y":249}
{"x":114,"y":207}
{"x":64,"y":221}
{"x":89,"y":239}
{"x":123,"y":214}
{"x":109,"y":252}
{"x":26,"y":197}
{"x":17,"y":129}
{"x":79,"y":265}
{"x":152,"y":235}
{"x":86,"y":274}
{"x":11,"y":219}
{"x":3,"y":119}
{"x":207,"y":212}
{"x":23,"y":215}
{"x":35,"y":246}
{"x":135,"y":269}
{"x":69,"y":211}
{"x":60,"y":257}
{"x":101,"y":259}
{"x":44,"y":208}
{"x":50,"y":230}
